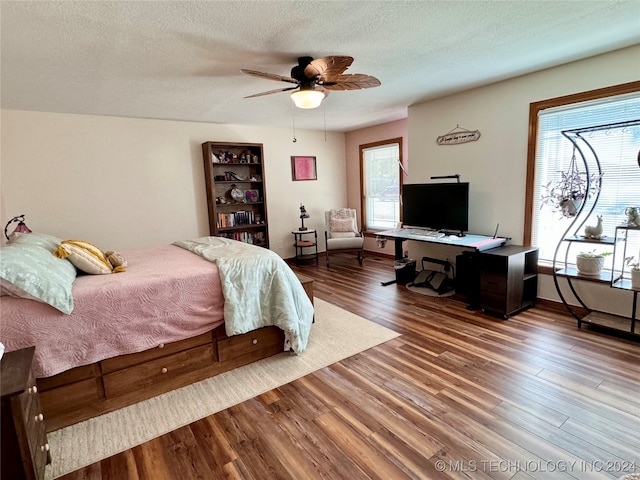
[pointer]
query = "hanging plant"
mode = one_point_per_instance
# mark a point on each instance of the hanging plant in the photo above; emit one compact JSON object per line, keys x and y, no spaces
{"x":568,"y":194}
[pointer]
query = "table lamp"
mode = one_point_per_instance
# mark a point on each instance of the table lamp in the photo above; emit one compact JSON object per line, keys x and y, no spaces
{"x":303,"y":215}
{"x":21,"y":228}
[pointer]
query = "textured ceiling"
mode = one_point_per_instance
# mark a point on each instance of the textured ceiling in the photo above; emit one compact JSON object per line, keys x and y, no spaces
{"x":181,"y":60}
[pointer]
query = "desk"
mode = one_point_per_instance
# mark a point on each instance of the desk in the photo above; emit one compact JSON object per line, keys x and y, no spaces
{"x":477,"y":243}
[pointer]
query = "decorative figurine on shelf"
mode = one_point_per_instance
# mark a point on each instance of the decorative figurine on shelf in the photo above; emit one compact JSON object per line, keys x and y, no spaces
{"x":633,"y":216}
{"x":303,"y":215}
{"x":634,"y":266}
{"x":594,"y":231}
{"x":236,"y":194}
{"x":233,"y":176}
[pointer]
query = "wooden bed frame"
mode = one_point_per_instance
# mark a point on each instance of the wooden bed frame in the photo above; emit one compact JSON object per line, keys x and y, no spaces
{"x":85,"y":392}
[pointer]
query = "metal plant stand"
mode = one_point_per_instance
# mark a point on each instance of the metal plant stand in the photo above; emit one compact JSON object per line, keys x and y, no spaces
{"x":561,"y":266}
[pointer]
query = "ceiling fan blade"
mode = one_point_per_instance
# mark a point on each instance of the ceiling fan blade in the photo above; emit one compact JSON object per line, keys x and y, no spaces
{"x":328,"y":68}
{"x":271,"y":91}
{"x":356,"y":81}
{"x":268,"y":76}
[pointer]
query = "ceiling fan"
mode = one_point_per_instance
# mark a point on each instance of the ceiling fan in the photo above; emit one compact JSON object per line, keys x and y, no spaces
{"x":314,"y":79}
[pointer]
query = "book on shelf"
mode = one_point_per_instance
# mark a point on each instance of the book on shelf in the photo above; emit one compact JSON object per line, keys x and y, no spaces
{"x":254,"y":238}
{"x":234,"y":219}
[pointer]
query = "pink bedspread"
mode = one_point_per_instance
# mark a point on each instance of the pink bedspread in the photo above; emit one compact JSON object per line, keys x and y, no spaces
{"x":166,"y":294}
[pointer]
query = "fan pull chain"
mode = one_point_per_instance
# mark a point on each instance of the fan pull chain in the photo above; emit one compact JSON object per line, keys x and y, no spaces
{"x":324,"y":114}
{"x":293,"y":119}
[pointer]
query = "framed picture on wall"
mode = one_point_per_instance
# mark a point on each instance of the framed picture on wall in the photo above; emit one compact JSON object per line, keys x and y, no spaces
{"x":303,"y":168}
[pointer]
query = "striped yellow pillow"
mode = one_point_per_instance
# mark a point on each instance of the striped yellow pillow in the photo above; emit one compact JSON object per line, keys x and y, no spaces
{"x":85,"y":256}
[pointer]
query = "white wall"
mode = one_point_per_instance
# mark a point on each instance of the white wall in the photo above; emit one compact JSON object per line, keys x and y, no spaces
{"x":495,"y":165}
{"x":126,"y":183}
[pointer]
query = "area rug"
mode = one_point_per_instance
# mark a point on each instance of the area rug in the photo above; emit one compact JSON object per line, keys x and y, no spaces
{"x":335,"y":335}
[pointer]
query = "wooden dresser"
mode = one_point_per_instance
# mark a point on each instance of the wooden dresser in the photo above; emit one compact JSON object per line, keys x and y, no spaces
{"x":25,"y":450}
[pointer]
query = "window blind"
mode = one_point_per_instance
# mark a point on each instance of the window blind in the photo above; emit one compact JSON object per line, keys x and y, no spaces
{"x":381,"y":186}
{"x":617,"y":150}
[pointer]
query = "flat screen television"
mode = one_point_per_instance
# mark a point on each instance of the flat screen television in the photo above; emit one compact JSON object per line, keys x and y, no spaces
{"x":437,"y":206}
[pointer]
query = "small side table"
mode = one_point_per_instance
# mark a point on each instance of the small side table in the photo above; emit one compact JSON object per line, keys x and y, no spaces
{"x":302,"y":244}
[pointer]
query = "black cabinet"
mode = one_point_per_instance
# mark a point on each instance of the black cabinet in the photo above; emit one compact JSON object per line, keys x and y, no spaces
{"x":508,"y":279}
{"x":468,"y":277}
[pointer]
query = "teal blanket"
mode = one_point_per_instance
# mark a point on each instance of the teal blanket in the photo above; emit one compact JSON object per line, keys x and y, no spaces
{"x":259,"y":289}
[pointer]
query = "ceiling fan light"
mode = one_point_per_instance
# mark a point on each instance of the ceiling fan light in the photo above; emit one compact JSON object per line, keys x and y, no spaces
{"x":307,"y":98}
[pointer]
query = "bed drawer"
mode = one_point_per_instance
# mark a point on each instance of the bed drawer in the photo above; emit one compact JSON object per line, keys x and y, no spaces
{"x":70,"y":397}
{"x":165,"y":369}
{"x":70,"y":376}
{"x":118,"y":363}
{"x":237,"y":346}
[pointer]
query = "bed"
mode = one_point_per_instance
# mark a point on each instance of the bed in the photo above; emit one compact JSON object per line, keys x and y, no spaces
{"x":180,"y":313}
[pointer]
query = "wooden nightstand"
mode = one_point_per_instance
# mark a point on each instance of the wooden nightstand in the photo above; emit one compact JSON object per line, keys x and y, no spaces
{"x":25,"y":450}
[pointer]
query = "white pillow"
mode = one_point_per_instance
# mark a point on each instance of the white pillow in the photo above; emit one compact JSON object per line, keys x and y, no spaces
{"x":36,"y":239}
{"x":85,"y":256}
{"x":342,"y":225}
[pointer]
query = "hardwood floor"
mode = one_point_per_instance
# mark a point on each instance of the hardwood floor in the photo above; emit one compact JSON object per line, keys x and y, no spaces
{"x":460,"y":394}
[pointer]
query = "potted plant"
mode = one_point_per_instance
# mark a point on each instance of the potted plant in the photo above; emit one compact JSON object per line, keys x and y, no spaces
{"x":568,"y":194}
{"x":634,"y":266}
{"x":590,"y":263}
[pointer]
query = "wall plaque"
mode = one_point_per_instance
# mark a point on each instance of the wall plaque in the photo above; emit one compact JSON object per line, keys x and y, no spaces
{"x":457,"y":136}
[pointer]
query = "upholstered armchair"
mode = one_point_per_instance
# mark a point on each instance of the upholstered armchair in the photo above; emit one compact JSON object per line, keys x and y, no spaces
{"x":342,"y":233}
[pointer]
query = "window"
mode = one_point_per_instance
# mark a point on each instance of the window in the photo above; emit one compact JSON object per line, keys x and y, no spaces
{"x":381,"y":184}
{"x":550,"y":153}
